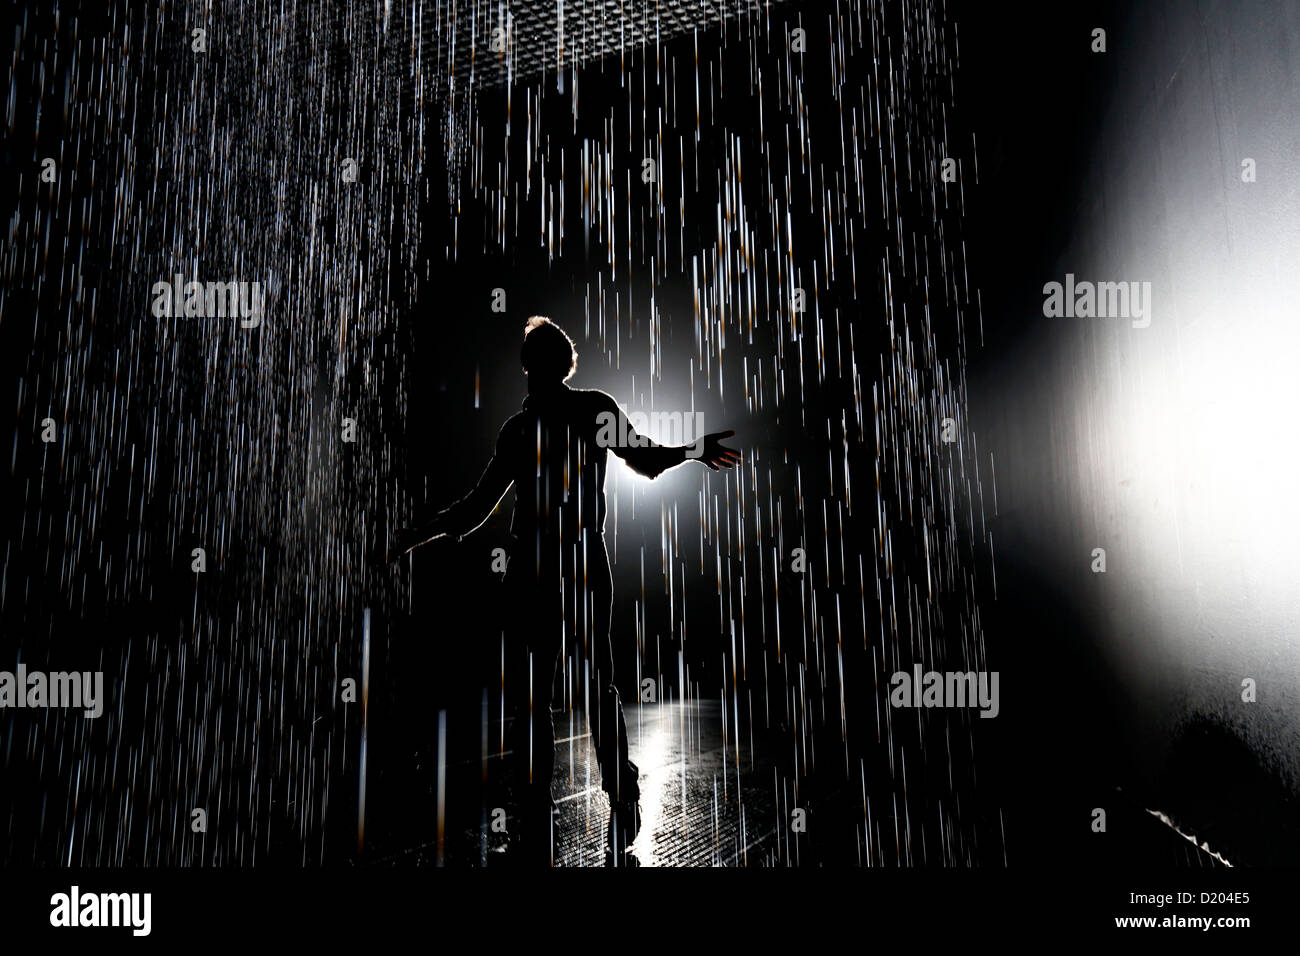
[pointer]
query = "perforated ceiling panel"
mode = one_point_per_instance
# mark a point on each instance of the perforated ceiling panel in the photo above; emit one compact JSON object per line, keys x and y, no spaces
{"x":484,"y":43}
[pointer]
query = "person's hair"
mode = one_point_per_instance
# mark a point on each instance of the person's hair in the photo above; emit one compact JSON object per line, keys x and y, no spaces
{"x":547,"y":351}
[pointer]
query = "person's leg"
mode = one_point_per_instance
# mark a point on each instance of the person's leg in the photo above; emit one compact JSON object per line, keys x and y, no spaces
{"x":539,"y":751}
{"x":618,"y":775}
{"x":532,"y":649}
{"x":608,"y":730}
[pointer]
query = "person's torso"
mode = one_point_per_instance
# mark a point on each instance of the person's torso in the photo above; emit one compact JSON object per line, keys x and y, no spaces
{"x":557,"y":466}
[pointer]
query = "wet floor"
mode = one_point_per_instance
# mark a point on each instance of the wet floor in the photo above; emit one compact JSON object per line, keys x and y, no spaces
{"x":707,"y":799}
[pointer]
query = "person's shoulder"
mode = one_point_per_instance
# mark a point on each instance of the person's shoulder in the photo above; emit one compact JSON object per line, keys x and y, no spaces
{"x":516,"y":425}
{"x":598,"y":400}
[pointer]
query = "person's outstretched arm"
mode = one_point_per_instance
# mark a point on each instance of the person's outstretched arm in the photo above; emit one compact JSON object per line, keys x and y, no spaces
{"x":649,"y":458}
{"x":461,"y":518}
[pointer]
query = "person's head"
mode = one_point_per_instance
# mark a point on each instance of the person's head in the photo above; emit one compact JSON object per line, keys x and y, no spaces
{"x":548,"y":355}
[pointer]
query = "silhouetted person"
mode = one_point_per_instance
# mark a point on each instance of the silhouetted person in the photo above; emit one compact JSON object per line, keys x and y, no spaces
{"x":559,"y":590}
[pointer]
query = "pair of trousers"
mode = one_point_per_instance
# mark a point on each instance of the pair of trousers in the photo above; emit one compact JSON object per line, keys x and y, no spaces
{"x":559,"y":602}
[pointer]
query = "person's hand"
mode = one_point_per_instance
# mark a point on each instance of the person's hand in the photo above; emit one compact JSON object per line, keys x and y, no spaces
{"x":403,"y":541}
{"x":717,"y":455}
{"x":399,"y":543}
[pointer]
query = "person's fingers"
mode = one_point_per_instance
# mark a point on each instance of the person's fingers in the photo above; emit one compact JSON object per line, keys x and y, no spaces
{"x":398,"y":545}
